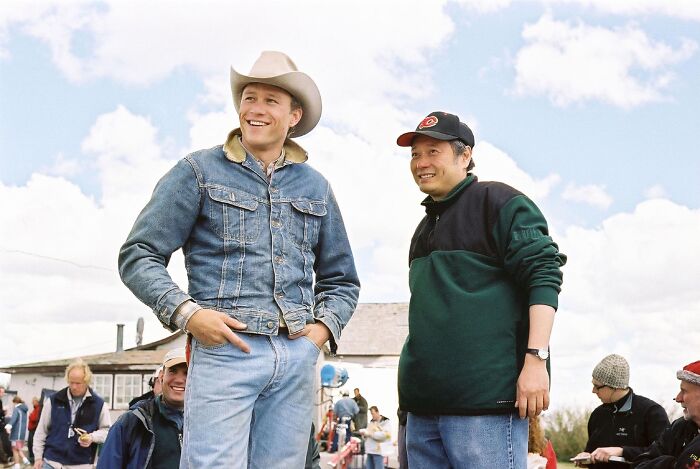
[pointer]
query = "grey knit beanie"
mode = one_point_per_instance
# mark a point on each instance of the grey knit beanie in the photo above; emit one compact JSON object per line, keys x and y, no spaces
{"x":613,"y":371}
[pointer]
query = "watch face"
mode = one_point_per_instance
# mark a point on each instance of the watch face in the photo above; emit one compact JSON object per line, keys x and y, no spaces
{"x":543,"y":354}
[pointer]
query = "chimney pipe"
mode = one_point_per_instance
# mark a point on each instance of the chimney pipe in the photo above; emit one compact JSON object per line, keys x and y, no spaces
{"x":120,"y":337}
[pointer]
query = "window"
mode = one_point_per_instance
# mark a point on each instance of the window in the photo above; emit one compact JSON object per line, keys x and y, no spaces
{"x":126,"y":387}
{"x":102,"y":385}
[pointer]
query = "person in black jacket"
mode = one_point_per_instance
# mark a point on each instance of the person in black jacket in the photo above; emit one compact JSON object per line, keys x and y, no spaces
{"x":625,"y":424}
{"x":678,"y":447}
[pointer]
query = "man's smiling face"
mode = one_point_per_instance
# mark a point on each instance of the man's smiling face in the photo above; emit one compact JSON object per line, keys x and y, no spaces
{"x":265,"y":116}
{"x":435,"y":167}
{"x":174,"y":379}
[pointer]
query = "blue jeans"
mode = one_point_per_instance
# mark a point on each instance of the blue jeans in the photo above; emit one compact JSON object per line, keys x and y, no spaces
{"x":374,"y":461}
{"x":249,"y":410}
{"x":466,"y":442}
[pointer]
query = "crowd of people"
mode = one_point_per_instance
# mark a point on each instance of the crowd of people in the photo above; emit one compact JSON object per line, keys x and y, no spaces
{"x":272,"y":279}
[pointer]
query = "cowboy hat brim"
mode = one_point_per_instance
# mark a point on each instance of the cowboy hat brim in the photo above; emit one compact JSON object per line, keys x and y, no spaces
{"x":298,"y":84}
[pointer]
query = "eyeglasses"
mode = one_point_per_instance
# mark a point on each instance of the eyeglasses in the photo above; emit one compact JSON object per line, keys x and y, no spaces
{"x":598,"y":387}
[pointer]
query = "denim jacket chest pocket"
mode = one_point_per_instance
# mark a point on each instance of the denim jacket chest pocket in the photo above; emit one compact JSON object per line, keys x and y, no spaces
{"x":234,"y":215}
{"x":305,"y":222}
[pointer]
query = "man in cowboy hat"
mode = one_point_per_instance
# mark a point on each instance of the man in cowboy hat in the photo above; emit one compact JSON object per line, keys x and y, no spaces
{"x":268,"y":260}
{"x":679,"y":445}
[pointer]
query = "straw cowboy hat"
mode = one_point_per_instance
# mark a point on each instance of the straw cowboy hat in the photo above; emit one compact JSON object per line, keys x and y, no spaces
{"x":277,"y":69}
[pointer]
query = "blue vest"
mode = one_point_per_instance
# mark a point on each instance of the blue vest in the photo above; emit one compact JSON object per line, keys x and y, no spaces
{"x":58,"y":446}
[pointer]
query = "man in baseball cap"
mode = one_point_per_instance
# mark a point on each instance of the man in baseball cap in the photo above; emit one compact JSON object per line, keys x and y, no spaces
{"x":268,"y":260}
{"x":678,"y":447}
{"x":149,"y":435}
{"x":481,"y":265}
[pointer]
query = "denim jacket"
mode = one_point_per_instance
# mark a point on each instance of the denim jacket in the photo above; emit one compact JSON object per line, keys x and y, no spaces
{"x":252,"y":247}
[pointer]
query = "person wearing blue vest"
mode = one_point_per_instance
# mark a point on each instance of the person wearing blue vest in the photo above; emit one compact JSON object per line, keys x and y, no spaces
{"x":73,"y":422}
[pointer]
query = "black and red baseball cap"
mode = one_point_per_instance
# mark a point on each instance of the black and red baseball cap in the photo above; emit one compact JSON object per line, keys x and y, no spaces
{"x":439,"y":125}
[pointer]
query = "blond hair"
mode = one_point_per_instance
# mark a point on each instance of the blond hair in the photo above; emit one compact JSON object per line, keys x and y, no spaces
{"x":536,"y":442}
{"x":79,"y":363}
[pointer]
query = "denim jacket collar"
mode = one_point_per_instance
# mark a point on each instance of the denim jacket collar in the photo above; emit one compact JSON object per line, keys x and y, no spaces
{"x":233,"y":148}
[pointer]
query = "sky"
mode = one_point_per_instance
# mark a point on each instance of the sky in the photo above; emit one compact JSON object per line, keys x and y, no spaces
{"x":590,"y":107}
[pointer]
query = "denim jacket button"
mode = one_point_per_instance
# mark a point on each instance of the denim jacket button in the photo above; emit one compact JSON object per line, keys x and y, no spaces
{"x":276,"y":223}
{"x":270,"y":324}
{"x":279,"y":259}
{"x":279,"y":295}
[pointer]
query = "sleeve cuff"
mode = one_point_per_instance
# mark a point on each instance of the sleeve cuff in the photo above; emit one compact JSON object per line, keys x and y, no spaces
{"x":544,"y":296}
{"x":184,"y":313}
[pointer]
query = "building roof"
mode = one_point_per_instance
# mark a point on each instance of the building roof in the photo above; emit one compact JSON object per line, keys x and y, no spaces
{"x":147,"y":356}
{"x":375,"y":329}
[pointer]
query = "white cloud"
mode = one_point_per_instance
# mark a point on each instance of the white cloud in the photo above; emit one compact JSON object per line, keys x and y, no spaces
{"x":682,"y":9}
{"x":63,"y":166}
{"x":493,"y":164}
{"x":485,"y":6}
{"x":630,"y":288}
{"x":574,"y":63}
{"x":590,"y":194}
{"x":656,"y":191}
{"x":59,"y":267}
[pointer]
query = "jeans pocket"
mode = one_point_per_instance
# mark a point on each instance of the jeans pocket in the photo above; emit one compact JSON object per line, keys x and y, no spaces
{"x":306,"y":338}
{"x":200,"y":345}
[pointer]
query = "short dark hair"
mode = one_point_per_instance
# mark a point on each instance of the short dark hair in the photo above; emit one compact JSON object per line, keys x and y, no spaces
{"x":459,"y":147}
{"x":295,"y":104}
{"x":374,"y":408}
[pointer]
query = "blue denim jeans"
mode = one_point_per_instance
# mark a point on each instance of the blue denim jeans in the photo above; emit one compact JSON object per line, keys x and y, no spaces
{"x":374,"y":461}
{"x":466,"y":442}
{"x":249,"y":410}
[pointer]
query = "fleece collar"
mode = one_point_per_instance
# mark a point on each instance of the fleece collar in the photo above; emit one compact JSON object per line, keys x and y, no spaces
{"x":233,"y":148}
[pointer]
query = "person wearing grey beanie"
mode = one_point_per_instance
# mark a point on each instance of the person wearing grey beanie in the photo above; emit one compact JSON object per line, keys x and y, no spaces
{"x":625,"y":424}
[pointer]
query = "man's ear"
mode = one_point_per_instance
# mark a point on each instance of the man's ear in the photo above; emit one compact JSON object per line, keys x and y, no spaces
{"x":467,"y":156}
{"x":296,"y":116}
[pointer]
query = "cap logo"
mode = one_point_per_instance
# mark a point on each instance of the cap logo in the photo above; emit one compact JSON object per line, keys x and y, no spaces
{"x":430,"y":121}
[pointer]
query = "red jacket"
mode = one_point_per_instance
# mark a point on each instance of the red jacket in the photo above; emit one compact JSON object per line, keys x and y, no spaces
{"x":550,"y":455}
{"x":34,"y":418}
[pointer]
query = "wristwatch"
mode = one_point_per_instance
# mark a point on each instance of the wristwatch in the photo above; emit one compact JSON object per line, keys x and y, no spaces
{"x":540,"y":353}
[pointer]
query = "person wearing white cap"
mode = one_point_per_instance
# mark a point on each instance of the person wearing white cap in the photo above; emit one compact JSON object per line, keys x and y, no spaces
{"x":625,"y":424}
{"x":268,"y":260}
{"x":678,"y":447}
{"x":150,"y":434}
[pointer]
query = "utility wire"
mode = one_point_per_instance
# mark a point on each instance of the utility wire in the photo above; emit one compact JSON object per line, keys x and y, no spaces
{"x":57,"y":259}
